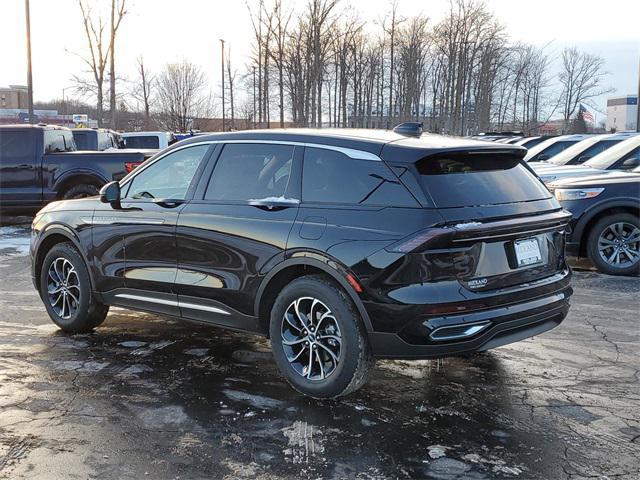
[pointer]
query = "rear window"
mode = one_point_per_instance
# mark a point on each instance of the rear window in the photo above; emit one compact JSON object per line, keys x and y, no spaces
{"x":82,"y":140}
{"x":142,"y":142}
{"x":474,"y":180}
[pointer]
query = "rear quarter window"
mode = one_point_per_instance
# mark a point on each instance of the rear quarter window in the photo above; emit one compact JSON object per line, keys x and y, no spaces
{"x":331,"y":177}
{"x":56,"y":141}
{"x":463,"y":180}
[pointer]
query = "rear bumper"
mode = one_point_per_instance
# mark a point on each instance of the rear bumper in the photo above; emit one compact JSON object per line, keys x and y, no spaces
{"x":505,"y":325}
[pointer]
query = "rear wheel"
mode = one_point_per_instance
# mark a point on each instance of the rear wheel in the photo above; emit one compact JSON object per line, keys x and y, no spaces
{"x":66,"y":291}
{"x":318,"y":339}
{"x":613,"y":244}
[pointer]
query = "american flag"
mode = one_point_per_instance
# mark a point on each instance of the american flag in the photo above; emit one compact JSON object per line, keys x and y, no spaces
{"x":586,"y":114}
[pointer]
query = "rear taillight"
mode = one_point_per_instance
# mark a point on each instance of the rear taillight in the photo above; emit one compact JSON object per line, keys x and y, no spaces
{"x":423,"y":240}
{"x":130,"y":166}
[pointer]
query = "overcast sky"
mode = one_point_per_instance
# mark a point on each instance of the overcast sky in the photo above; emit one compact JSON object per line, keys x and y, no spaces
{"x":164,"y":31}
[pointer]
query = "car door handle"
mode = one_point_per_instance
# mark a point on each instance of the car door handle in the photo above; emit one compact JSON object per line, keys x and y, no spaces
{"x":278,"y":203}
{"x":168,"y":202}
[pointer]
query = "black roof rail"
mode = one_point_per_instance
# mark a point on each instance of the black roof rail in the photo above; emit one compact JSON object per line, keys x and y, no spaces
{"x":409,"y":129}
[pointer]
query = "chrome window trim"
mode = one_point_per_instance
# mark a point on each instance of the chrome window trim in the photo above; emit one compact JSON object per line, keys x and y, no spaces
{"x":349,"y":152}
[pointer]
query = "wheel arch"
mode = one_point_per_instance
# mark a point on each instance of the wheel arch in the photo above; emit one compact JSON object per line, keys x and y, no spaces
{"x":52,"y":236}
{"x":89,"y":177}
{"x":289,"y":270}
{"x":592,"y":216}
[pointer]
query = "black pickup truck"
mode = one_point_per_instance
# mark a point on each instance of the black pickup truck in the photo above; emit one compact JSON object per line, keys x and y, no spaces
{"x":39,"y":164}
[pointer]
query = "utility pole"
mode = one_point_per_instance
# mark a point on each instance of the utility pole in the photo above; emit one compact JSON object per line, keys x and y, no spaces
{"x":29,"y":79}
{"x":222,"y":70}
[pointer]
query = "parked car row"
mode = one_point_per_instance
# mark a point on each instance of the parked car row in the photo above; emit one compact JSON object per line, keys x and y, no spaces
{"x":41,"y":163}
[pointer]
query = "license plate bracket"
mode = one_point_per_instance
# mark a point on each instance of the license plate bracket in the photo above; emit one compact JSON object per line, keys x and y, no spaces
{"x":527,"y":252}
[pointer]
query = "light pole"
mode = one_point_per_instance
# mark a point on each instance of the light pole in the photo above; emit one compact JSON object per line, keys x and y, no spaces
{"x":29,"y":79}
{"x":222,"y":71}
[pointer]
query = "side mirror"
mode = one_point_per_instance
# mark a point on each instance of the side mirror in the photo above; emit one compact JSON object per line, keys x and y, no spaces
{"x":110,"y":193}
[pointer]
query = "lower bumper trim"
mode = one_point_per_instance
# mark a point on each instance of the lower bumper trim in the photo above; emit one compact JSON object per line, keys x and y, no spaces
{"x":392,"y":346}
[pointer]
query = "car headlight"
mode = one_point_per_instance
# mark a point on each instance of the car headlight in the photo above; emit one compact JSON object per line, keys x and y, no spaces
{"x":576,"y":193}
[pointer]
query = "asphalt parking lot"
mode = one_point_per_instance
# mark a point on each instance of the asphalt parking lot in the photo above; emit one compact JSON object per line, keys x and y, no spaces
{"x":145,"y":396}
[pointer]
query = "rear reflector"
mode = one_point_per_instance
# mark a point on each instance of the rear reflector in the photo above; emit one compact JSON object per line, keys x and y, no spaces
{"x":354,"y":283}
{"x":130,"y":166}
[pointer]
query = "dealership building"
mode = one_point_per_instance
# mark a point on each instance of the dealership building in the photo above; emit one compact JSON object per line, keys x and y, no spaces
{"x":622,"y":113}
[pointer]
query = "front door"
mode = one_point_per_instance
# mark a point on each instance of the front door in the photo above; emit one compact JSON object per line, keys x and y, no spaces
{"x":145,"y":227}
{"x":239,"y":224}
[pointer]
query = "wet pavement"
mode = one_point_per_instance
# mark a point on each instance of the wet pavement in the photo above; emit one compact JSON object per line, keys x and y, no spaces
{"x":145,"y":396}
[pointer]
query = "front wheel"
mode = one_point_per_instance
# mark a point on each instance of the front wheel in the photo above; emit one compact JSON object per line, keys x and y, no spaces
{"x":318,"y":339}
{"x":66,"y":291}
{"x":613,"y":244}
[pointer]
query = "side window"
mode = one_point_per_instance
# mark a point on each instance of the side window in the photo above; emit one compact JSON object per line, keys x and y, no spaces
{"x":329,"y":176}
{"x":251,"y":171}
{"x":104,"y":140}
{"x":54,"y":141}
{"x":631,"y":160}
{"x":168,"y":177}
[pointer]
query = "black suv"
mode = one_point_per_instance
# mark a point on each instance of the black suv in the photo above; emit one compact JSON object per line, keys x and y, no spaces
{"x":342,"y":246}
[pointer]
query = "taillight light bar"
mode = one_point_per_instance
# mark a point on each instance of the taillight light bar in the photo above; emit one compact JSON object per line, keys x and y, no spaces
{"x":430,"y":238}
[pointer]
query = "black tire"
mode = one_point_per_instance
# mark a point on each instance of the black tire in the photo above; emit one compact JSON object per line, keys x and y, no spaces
{"x":78,"y":317}
{"x":594,"y":254}
{"x":354,"y":358}
{"x":80,"y":191}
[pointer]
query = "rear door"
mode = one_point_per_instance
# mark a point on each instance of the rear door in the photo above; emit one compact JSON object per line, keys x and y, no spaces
{"x":20,"y":176}
{"x":236,"y":226}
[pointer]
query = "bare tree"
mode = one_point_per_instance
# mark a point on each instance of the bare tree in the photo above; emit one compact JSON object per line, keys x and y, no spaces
{"x":143,"y":89}
{"x":279,"y":31}
{"x":96,"y":59}
{"x":118,"y":12}
{"x":181,"y":95}
{"x":581,"y":80}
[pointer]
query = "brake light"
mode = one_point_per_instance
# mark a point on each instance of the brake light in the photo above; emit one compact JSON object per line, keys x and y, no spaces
{"x":130,"y":166}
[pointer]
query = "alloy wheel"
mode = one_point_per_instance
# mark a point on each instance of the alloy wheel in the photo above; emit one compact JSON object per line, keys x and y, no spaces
{"x":619,"y":244}
{"x":311,"y":338}
{"x":63,"y":288}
